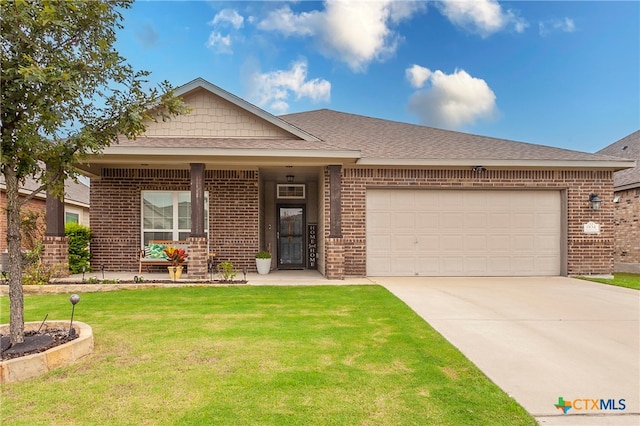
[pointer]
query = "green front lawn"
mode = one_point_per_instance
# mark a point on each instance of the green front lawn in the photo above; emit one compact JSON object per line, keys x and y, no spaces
{"x":327,"y":355}
{"x":621,"y":280}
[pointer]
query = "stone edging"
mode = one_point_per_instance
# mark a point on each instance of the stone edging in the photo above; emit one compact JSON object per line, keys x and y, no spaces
{"x":26,"y":367}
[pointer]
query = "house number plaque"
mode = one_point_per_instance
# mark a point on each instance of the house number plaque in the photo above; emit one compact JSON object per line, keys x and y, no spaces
{"x":591,"y":228}
{"x":313,"y":245}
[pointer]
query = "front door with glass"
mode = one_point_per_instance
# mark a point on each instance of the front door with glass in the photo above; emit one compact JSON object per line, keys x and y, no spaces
{"x":291,"y":237}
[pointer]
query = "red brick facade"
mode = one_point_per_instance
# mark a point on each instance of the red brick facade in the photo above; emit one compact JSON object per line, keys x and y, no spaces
{"x":627,"y":230}
{"x":587,"y":254}
{"x":35,"y":205}
{"x":234,"y":212}
{"x":56,"y":252}
{"x":116,"y":214}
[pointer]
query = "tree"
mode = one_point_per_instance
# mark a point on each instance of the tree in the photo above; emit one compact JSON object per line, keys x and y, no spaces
{"x":66,"y":93}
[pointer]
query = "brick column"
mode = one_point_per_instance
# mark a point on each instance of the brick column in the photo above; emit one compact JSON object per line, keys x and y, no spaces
{"x":334,"y":252}
{"x":56,"y":251}
{"x":197,"y":257}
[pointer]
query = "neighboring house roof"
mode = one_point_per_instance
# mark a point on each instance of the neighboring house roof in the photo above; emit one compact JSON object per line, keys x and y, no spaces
{"x":627,"y":147}
{"x":74,"y":193}
{"x":224,"y":130}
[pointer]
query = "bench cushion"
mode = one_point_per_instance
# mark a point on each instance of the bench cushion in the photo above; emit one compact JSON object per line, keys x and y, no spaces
{"x":155,"y":251}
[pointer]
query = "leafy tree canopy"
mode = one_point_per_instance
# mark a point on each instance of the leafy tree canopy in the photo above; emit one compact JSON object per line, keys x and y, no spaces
{"x":66,"y":92}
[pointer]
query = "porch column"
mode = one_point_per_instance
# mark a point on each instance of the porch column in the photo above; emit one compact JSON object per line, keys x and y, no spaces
{"x":334,"y":255}
{"x":56,"y":244}
{"x":197,"y":200}
{"x":335,"y":201}
{"x":197,"y":239}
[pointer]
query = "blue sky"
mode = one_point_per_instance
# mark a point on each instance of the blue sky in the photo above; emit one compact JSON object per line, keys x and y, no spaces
{"x":559,"y":73}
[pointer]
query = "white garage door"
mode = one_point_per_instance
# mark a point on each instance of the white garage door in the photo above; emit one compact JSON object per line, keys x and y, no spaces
{"x":463,"y":233}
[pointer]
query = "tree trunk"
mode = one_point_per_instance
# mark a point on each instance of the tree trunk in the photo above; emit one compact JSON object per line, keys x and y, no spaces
{"x":14,"y":242}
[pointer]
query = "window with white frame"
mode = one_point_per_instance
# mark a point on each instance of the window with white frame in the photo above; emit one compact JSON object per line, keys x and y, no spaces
{"x":166,"y":215}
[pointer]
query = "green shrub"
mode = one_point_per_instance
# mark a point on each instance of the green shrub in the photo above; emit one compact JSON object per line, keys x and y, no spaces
{"x":263,"y":255}
{"x":225,"y":269}
{"x":79,"y":237}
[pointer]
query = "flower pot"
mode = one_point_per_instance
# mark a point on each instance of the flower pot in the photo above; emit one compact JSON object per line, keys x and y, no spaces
{"x":175,"y":272}
{"x":263,"y":265}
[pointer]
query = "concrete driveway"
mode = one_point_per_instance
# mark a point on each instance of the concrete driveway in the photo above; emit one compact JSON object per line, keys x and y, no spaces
{"x":541,"y":339}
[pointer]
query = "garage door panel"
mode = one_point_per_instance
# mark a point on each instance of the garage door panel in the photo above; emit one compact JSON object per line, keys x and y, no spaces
{"x":498,"y":221}
{"x":452,"y":265}
{"x":476,"y":243}
{"x":451,"y":243}
{"x":547,"y":243}
{"x":474,"y":221}
{"x":403,"y":265}
{"x":544,"y":221}
{"x":522,"y":242}
{"x":463,"y":232}
{"x":380,"y":265}
{"x":500,"y":265}
{"x":427,"y":221}
{"x":427,"y":265}
{"x":476,"y":265}
{"x":403,"y":243}
{"x":402,"y":221}
{"x":452,"y":220}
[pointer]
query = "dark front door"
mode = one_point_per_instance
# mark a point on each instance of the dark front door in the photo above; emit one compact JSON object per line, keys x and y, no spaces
{"x":291,"y":237}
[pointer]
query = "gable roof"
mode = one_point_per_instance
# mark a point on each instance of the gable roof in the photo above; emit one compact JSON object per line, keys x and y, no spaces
{"x":200,"y":83}
{"x":254,"y":137}
{"x":383,"y":142}
{"x":627,"y":147}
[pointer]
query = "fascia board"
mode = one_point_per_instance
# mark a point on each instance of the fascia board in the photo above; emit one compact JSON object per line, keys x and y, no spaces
{"x":220,"y":152}
{"x":241,"y":103}
{"x":626,"y":187}
{"x":538,"y":164}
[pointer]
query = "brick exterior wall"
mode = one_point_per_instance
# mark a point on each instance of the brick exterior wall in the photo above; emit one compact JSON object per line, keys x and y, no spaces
{"x":56,"y":251}
{"x":198,"y":257}
{"x":34,"y":204}
{"x":234,"y":212}
{"x":116,"y":214}
{"x":627,"y":231}
{"x":335,"y":259}
{"x":587,"y":254}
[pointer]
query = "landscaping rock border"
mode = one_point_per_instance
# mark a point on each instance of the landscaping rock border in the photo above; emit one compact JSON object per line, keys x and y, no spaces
{"x":26,"y":367}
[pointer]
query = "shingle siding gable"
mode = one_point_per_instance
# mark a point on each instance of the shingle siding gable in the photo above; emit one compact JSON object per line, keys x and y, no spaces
{"x":214,"y":117}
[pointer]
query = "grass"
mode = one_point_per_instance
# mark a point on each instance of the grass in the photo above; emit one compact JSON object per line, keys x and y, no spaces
{"x":326,"y":355}
{"x":620,"y":280}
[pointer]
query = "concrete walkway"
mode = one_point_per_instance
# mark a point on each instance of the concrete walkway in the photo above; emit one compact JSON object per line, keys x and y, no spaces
{"x":540,"y":339}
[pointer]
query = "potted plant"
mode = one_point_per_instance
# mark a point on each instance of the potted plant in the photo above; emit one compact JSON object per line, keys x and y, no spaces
{"x":263,"y":262}
{"x":176,"y":256}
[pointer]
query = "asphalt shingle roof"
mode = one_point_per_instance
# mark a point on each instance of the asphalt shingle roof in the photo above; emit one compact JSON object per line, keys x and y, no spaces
{"x":627,"y":147}
{"x":384,"y":139}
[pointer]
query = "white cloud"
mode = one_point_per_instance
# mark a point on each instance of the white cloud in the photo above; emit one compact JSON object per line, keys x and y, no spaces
{"x":417,"y":75}
{"x":228,"y":16}
{"x":451,"y":100}
{"x":354,"y":32}
{"x":225,"y":18}
{"x":219,"y":43}
{"x":565,"y":25}
{"x":484,"y":17}
{"x":272,"y":90}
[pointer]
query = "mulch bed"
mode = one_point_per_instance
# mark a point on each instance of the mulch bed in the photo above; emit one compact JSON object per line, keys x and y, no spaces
{"x":34,"y":342}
